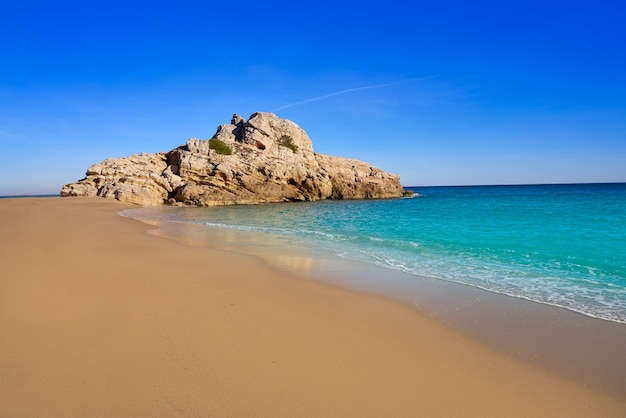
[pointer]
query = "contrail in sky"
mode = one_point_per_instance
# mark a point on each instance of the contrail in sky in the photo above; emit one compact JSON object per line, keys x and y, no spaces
{"x":338,"y":93}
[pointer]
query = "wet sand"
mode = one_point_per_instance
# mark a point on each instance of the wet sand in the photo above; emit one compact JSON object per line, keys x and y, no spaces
{"x":98,"y":318}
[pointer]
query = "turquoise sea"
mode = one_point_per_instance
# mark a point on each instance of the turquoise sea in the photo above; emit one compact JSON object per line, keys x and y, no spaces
{"x":562,"y":245}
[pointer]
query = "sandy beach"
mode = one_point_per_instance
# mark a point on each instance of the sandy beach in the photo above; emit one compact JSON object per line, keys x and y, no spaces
{"x":100,"y":319}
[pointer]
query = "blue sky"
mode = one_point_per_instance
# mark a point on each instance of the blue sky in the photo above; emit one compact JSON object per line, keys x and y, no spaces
{"x":441,"y":92}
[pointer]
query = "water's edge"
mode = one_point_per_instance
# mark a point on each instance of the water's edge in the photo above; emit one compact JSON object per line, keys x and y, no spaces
{"x":588,"y":350}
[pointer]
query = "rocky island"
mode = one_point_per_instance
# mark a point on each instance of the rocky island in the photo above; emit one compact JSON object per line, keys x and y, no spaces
{"x":263,"y":159}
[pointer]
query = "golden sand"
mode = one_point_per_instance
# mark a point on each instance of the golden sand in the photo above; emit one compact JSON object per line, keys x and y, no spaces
{"x":100,"y":319}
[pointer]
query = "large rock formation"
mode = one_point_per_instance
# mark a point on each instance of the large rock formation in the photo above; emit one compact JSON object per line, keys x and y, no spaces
{"x":272,"y":160}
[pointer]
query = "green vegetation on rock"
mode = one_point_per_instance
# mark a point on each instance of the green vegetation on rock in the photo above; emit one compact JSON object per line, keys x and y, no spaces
{"x":220,"y":147}
{"x":287,"y":141}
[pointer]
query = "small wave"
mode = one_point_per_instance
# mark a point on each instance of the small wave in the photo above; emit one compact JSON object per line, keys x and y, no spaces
{"x":590,"y":299}
{"x":280,"y":231}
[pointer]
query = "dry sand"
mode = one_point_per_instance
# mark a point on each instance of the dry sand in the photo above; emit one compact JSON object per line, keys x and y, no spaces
{"x":100,"y":319}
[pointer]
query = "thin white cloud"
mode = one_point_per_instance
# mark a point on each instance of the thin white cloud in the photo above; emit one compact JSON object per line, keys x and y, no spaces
{"x":339,"y":93}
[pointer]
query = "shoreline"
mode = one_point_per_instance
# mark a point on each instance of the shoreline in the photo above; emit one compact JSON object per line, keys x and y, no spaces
{"x":100,"y":318}
{"x":585,"y":349}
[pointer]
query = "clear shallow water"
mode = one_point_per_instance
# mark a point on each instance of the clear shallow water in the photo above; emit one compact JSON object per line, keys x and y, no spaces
{"x":563,"y":245}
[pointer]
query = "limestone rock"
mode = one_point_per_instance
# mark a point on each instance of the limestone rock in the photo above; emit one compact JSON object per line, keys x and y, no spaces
{"x":136,"y":179}
{"x":272,"y":160}
{"x":354,"y":179}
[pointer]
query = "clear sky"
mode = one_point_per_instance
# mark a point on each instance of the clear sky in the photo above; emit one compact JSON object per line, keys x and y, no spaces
{"x":441,"y":92}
